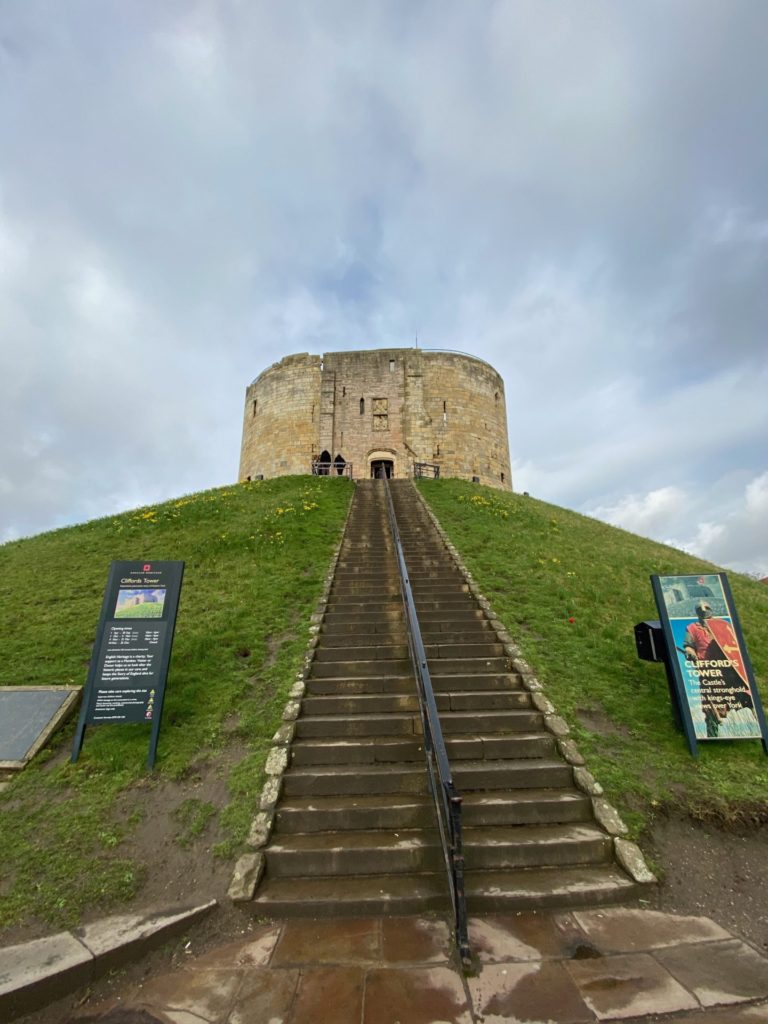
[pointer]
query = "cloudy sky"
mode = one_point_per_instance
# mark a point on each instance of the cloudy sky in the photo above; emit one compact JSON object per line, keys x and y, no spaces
{"x":576,"y":192}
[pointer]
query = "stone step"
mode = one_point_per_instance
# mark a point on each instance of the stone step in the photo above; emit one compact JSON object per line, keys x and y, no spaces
{"x":525,"y":807}
{"x":349,"y":854}
{"x":339,"y":726}
{"x":354,"y":811}
{"x":468,"y":633}
{"x":356,"y":896}
{"x":340,"y":603}
{"x":477,"y":702}
{"x":361,"y":636}
{"x":450,"y":616}
{"x":371,"y":779}
{"x":524,"y":846}
{"x":383,"y":651}
{"x":365,"y":750}
{"x":347,"y":669}
{"x":466,"y":650}
{"x":458,"y":683}
{"x":363,"y":684}
{"x":447,"y":603}
{"x":471,"y":666}
{"x":536,"y":888}
{"x":362,"y":704}
{"x":425,"y":592}
{"x":453,"y":722}
{"x":357,"y":593}
{"x":378,"y":652}
{"x":487,"y":775}
{"x":479,"y":747}
{"x":387,"y":749}
{"x":341,"y":618}
{"x":340,"y":626}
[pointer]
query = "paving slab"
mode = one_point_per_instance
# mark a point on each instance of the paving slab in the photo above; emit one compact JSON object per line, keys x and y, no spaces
{"x":329,"y":993}
{"x":524,"y":936}
{"x":528,"y":992}
{"x":415,"y":940}
{"x":329,"y":941}
{"x":415,"y":995}
{"x":721,"y":972}
{"x":628,"y":985}
{"x":626,"y":930}
{"x":266,"y":996}
{"x":35,"y":973}
{"x":208,"y":994}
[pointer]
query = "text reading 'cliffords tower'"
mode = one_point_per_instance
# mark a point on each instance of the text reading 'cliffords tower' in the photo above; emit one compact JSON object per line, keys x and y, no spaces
{"x":380,"y":412}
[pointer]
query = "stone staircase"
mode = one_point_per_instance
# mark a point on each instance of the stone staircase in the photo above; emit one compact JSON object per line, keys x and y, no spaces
{"x":355,"y":829}
{"x":530,"y":839}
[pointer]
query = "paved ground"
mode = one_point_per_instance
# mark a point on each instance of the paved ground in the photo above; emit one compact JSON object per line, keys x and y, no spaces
{"x":564,"y":968}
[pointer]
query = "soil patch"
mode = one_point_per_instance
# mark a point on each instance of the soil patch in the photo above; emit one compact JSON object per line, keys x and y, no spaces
{"x":177,"y":864}
{"x":596,"y":720}
{"x":712,"y":869}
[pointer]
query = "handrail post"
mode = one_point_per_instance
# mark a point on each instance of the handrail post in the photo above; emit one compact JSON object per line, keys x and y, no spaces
{"x":446,"y":799}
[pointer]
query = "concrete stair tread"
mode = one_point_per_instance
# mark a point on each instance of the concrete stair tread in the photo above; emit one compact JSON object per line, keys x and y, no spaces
{"x":342,"y":770}
{"x":528,"y":835}
{"x":526,"y":888}
{"x":357,"y":750}
{"x":352,"y":895}
{"x":365,"y":801}
{"x":360,"y":840}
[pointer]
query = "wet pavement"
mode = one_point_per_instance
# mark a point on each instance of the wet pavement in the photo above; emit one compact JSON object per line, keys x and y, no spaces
{"x":531,"y":968}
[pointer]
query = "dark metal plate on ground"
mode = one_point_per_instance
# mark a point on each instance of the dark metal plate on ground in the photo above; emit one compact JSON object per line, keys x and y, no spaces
{"x":28,"y":717}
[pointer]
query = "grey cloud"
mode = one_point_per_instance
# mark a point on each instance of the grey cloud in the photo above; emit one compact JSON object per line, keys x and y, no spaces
{"x":189,"y":193}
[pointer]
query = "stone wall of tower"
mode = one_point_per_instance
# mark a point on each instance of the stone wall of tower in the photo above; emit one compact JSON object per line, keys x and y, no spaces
{"x":464,"y":399}
{"x":281,"y":419}
{"x":403,"y":405}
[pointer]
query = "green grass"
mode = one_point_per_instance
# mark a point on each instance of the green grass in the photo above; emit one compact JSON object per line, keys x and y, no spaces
{"x":256,"y":556}
{"x":541,"y":567}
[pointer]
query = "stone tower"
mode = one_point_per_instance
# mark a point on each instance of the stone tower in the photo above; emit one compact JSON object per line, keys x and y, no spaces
{"x":382,"y":411}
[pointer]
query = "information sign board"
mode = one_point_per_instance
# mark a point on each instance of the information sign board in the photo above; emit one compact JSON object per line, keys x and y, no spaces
{"x":714,"y":682}
{"x":127,"y":675}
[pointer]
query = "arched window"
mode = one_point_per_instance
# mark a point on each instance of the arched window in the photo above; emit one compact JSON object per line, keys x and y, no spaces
{"x":339,"y":464}
{"x":362,"y":406}
{"x":324,"y":464}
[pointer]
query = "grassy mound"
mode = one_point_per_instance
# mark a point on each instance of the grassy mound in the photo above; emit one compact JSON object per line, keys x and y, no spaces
{"x":256,"y":556}
{"x":569,"y":590}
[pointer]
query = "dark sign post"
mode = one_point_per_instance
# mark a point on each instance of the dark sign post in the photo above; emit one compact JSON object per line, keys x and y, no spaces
{"x":711,"y":677}
{"x":126,"y":678}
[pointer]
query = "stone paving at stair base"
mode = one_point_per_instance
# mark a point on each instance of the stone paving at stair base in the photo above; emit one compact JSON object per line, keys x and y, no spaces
{"x":533,"y":968}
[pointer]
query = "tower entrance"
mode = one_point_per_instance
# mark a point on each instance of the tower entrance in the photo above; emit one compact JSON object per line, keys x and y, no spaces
{"x":382,"y":468}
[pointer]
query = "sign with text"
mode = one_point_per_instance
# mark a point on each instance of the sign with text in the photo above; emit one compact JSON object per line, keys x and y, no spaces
{"x":714,"y":681}
{"x":126,"y":678}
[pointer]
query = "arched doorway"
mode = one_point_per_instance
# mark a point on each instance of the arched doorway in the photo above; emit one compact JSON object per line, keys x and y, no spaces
{"x":382,"y":468}
{"x":339,"y":464}
{"x":382,"y":462}
{"x":324,"y":464}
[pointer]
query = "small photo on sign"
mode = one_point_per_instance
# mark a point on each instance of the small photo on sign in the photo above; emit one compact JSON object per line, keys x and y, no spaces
{"x":140,"y":604}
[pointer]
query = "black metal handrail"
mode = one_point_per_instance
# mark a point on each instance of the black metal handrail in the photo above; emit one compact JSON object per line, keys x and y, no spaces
{"x":446,"y":798}
{"x":331,"y":468}
{"x":426,"y":469}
